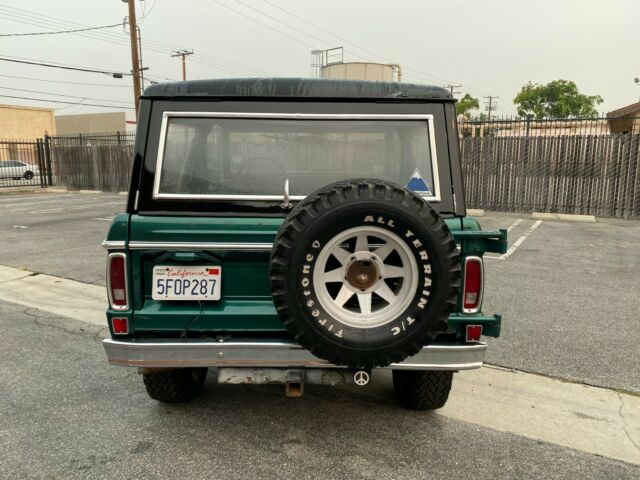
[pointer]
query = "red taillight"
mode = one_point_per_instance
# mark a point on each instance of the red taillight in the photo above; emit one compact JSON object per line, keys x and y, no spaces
{"x":117,"y":281}
{"x":474,"y":332}
{"x":472,"y":291}
{"x":120,"y":325}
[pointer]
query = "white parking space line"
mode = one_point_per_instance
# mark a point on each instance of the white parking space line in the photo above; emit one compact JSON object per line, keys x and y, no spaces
{"x":75,"y":207}
{"x":514,"y":225}
{"x":518,"y":242}
{"x":14,"y":198}
{"x":521,"y":240}
{"x":594,"y":420}
{"x":58,"y":198}
{"x":103,"y":219}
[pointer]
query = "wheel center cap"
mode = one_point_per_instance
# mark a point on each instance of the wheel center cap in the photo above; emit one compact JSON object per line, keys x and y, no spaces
{"x":362,"y":274}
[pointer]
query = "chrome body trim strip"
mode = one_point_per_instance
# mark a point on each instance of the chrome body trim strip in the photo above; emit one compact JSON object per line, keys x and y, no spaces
{"x":196,"y":353}
{"x":113,"y":244}
{"x":200,"y":246}
{"x":156,"y":194}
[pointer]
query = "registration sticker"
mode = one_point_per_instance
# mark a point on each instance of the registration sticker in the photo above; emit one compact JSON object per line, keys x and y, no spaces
{"x":200,"y":282}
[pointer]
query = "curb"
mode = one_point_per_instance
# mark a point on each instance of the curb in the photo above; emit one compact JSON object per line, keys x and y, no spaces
{"x":90,"y":191}
{"x":123,"y":194}
{"x":474,"y":212}
{"x":564,"y":217}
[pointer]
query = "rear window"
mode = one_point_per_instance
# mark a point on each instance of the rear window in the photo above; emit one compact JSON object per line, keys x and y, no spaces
{"x":222,"y":156}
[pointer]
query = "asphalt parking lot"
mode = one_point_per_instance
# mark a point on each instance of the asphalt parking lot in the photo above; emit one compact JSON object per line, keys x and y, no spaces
{"x":57,"y":233}
{"x":566,"y":294}
{"x":65,"y":413}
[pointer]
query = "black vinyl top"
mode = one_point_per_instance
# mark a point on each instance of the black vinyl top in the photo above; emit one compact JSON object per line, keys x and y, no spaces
{"x":292,"y":88}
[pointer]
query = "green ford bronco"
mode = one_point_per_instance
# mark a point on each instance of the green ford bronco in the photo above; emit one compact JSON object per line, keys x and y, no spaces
{"x":297,"y":231}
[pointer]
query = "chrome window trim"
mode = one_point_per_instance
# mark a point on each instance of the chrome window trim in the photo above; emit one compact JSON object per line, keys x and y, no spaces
{"x":464,"y":285}
{"x":119,"y":308}
{"x":428,"y":117}
{"x":199,"y":246}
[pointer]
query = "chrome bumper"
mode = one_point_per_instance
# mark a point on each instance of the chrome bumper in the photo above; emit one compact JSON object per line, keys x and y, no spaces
{"x":194,"y":353}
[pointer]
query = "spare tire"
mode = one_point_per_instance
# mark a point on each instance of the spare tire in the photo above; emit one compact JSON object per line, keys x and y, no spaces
{"x":364,"y":273}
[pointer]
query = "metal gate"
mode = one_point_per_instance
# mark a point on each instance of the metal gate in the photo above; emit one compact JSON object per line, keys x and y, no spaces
{"x":24,"y":163}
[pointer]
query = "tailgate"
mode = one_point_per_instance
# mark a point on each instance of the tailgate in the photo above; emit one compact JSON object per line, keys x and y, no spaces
{"x":239,"y":247}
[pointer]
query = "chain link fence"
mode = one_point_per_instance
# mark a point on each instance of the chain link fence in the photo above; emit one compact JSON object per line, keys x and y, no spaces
{"x":587,"y":166}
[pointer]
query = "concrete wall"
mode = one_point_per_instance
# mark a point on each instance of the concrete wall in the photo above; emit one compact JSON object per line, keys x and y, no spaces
{"x":109,"y":122}
{"x":25,"y":123}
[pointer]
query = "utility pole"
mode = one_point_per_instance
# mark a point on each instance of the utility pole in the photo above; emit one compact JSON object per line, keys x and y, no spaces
{"x":183,"y":54}
{"x":490,"y":106}
{"x":452,"y":89}
{"x":142,"y":69}
{"x":135,"y":61}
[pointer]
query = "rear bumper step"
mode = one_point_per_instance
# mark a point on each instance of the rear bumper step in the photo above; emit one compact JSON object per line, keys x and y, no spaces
{"x":196,"y":353}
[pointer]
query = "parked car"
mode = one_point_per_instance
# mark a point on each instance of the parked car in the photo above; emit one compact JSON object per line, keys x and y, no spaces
{"x":297,"y":231}
{"x":17,"y":170}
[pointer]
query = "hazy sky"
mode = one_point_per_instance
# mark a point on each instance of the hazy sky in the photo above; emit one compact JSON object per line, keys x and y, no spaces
{"x":489,"y":47}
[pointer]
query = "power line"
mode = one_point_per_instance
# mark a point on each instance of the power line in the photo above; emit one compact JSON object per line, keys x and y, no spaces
{"x":20,"y":15}
{"x":62,"y":95}
{"x":67,"y":103}
{"x":418,"y":73}
{"x":62,"y":81}
{"x":28,"y":17}
{"x":264,"y":24}
{"x":79,"y":69}
{"x":280,"y":21}
{"x":59,"y":31}
{"x":145,"y":14}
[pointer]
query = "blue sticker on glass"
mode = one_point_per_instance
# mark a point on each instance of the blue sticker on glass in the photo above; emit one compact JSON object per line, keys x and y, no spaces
{"x":417,"y":184}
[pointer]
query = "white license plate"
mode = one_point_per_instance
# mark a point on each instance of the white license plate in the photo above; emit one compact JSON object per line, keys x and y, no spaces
{"x":186,"y":283}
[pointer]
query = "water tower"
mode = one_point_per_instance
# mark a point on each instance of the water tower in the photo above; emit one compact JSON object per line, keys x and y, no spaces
{"x":329,"y":64}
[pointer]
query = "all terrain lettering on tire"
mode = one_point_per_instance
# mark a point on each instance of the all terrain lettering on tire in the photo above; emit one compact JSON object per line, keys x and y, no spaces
{"x":426,"y":265}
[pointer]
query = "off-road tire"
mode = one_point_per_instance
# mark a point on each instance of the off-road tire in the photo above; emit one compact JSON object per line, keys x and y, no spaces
{"x":348,"y":205}
{"x":175,"y":386}
{"x":422,"y":390}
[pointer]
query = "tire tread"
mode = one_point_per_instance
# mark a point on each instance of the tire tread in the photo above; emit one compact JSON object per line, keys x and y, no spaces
{"x":174,"y":386}
{"x":422,"y":390}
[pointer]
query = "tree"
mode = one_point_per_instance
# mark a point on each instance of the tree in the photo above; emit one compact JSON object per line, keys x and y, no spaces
{"x":556,"y":99}
{"x":466,"y":104}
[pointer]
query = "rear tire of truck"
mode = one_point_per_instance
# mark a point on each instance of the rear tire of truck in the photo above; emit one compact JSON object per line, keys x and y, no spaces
{"x":422,"y":390}
{"x":175,"y":386}
{"x":364,"y":273}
